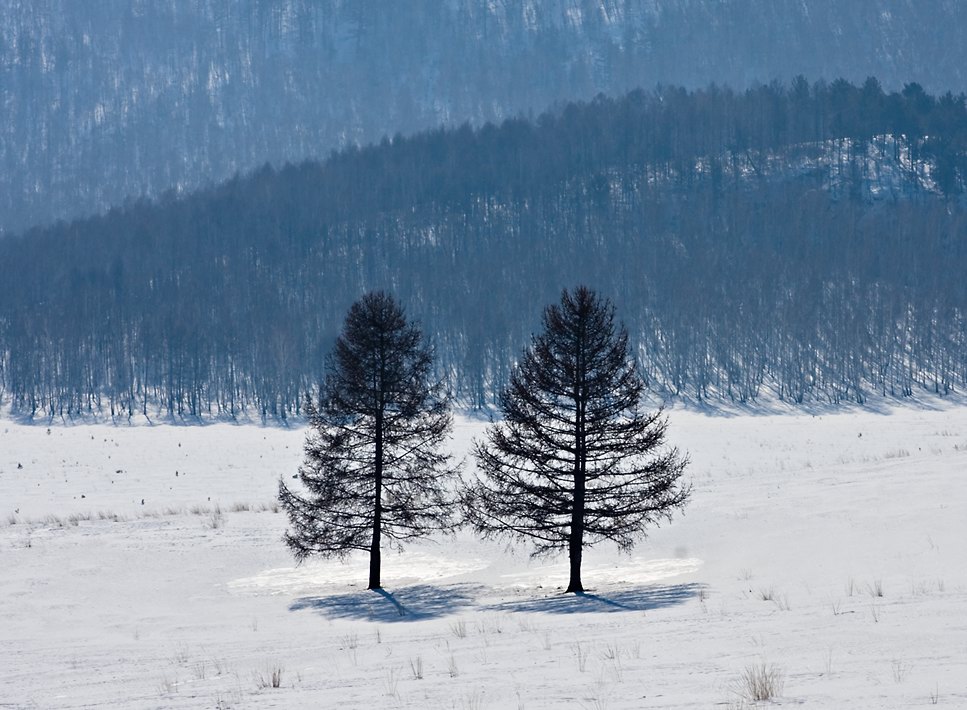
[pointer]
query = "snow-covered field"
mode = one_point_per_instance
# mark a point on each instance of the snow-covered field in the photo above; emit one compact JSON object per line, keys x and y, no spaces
{"x":829,"y":548}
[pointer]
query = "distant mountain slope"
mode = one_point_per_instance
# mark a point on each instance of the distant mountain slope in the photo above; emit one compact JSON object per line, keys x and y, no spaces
{"x":801,"y":242}
{"x":104,"y":100}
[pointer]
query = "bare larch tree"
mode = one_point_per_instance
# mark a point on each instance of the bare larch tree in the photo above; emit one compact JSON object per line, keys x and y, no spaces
{"x":575,"y":460}
{"x":373,"y":464}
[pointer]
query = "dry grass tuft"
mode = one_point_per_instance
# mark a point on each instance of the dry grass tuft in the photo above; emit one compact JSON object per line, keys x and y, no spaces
{"x":760,"y":682}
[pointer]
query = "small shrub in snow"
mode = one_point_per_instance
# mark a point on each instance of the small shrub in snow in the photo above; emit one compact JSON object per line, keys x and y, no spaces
{"x":75,"y":519}
{"x":200,"y":670}
{"x":459,"y":629}
{"x":767,"y":594}
{"x":761,"y":681}
{"x":391,"y":682}
{"x":900,"y":670}
{"x":473,"y":701}
{"x":270,"y":678}
{"x":216,"y":518}
{"x":490,"y":625}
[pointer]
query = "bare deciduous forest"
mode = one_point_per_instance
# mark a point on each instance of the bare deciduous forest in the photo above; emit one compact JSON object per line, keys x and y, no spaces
{"x":804,"y":242}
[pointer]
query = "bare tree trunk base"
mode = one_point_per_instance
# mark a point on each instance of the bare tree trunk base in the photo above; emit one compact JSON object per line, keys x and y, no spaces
{"x":374,"y":569}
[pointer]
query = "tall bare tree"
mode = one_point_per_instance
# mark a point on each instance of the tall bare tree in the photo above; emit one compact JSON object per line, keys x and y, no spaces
{"x":575,"y":461}
{"x":373,"y":466}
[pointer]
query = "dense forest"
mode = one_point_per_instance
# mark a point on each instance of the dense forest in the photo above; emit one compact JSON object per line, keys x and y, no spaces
{"x":805,"y":242}
{"x":103,"y":100}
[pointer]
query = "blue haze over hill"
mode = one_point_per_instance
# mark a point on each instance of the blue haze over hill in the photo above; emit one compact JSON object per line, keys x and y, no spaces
{"x":104,"y":100}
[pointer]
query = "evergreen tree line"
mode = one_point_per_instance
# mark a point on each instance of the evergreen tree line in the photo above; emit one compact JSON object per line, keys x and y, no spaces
{"x":801,"y":241}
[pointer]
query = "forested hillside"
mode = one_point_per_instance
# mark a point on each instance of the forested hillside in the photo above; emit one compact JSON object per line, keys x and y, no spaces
{"x":801,"y":242}
{"x":105,"y":100}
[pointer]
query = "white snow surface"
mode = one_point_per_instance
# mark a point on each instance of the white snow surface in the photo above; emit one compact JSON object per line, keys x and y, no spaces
{"x":827,"y":547}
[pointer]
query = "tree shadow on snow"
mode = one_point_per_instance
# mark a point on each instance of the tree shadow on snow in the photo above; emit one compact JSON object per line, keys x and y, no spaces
{"x":633,"y":599}
{"x":416,"y":603}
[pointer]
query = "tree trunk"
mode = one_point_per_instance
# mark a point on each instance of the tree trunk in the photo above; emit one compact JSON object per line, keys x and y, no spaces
{"x":575,"y":543}
{"x":374,"y":553}
{"x":374,"y":559}
{"x":576,"y":539}
{"x":574,"y":554}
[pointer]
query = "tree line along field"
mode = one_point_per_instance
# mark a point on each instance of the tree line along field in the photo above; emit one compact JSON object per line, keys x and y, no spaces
{"x":798,"y":242}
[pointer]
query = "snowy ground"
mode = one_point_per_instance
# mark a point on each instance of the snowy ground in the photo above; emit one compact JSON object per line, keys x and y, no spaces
{"x":830,"y":548}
